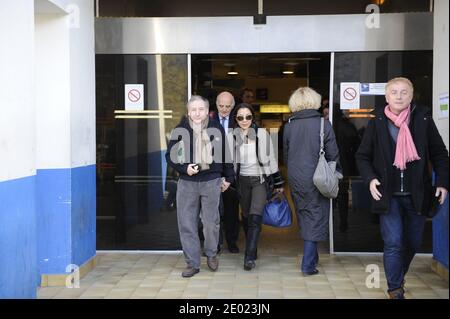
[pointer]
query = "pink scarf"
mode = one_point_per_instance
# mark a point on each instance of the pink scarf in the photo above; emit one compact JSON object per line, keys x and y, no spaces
{"x":405,"y":150}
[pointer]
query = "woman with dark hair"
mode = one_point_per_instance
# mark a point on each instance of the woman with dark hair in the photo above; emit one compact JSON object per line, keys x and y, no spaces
{"x":257,"y":172}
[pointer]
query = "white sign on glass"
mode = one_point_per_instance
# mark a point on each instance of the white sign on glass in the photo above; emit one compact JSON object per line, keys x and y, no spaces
{"x":372,"y":89}
{"x":349,"y":95}
{"x":134,"y":97}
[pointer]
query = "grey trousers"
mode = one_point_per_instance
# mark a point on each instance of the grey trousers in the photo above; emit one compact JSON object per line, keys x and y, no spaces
{"x":198,"y":200}
{"x":253,"y":195}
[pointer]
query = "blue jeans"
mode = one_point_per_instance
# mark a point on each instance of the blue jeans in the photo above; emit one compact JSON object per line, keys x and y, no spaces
{"x":310,"y":256}
{"x":401,"y":229}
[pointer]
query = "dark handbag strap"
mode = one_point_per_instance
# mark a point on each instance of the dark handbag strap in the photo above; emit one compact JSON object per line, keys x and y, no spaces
{"x":279,"y":196}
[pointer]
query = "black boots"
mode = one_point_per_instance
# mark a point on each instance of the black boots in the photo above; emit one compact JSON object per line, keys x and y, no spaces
{"x":252,"y":237}
{"x":245,"y":226}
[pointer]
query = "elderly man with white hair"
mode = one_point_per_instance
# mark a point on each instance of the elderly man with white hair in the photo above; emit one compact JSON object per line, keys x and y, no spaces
{"x":393,"y":158}
{"x":225,"y":106}
{"x":197,"y":151}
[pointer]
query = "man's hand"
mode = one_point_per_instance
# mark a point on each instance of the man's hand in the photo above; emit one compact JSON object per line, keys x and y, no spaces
{"x":192,"y":169}
{"x":373,"y":189}
{"x":224,"y":186}
{"x":443,"y":194}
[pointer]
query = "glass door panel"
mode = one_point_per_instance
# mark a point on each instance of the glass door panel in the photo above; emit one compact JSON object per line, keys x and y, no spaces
{"x":136,"y":206}
{"x":355,"y":228}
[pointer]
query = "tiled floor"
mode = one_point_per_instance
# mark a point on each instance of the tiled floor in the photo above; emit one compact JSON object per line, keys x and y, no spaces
{"x":276,"y":276}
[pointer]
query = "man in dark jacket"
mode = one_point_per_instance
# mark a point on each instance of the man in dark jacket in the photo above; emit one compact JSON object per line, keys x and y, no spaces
{"x":225,"y":104}
{"x":393,"y":159}
{"x":197,"y":151}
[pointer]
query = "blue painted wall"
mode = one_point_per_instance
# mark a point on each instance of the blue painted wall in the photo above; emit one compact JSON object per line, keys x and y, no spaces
{"x":66,"y":217}
{"x":53,"y":211}
{"x":47,"y":222}
{"x":440,"y":235}
{"x":84,"y":214}
{"x":18,"y":238}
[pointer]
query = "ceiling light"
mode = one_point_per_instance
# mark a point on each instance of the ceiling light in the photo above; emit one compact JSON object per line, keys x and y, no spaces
{"x":232,"y":71}
{"x":288,"y":72}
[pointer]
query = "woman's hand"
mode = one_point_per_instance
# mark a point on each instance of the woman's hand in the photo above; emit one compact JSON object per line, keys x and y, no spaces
{"x":279,"y":190}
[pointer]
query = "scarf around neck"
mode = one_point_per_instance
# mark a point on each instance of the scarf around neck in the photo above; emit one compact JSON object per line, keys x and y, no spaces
{"x":202,"y":144}
{"x":405,"y":150}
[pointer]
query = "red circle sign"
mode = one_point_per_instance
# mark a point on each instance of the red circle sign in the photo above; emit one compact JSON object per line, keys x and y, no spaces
{"x":134,"y":95}
{"x":349,"y":94}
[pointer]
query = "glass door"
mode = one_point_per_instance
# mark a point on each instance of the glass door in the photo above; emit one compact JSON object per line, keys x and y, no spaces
{"x":136,"y":206}
{"x":355,"y":227}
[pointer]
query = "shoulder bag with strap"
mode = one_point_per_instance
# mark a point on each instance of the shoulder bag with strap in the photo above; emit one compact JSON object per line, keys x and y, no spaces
{"x":326,"y":178}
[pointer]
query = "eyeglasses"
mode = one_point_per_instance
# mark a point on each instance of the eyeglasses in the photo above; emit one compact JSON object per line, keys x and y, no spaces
{"x":224,"y":106}
{"x":241,"y":118}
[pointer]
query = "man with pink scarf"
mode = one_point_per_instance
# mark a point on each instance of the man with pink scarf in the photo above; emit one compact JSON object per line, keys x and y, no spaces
{"x":393,"y":158}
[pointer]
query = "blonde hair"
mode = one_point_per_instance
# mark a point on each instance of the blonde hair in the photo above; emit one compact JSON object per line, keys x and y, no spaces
{"x":304,"y":98}
{"x":399,"y":79}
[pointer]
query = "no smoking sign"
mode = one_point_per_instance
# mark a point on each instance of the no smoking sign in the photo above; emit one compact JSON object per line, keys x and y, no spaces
{"x":349,"y":95}
{"x":134,"y":97}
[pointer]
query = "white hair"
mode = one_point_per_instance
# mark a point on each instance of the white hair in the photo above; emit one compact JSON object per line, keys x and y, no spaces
{"x":195,"y":98}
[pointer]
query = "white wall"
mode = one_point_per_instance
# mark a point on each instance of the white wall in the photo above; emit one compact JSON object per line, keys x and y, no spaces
{"x":440,"y":63}
{"x":65,"y":63}
{"x":17,"y":106}
{"x":52,"y":63}
{"x":82,"y":81}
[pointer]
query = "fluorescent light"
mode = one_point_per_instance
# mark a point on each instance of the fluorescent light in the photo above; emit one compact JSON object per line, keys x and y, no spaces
{"x":288,"y":72}
{"x":232,"y":73}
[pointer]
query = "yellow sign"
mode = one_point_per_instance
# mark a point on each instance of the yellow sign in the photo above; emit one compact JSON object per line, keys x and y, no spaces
{"x":274,"y":108}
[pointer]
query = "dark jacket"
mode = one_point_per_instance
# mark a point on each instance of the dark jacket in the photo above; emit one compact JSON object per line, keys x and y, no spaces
{"x":301,"y":148}
{"x":216,"y":117}
{"x":216,"y":169}
{"x":375,"y":158}
{"x":348,"y":141}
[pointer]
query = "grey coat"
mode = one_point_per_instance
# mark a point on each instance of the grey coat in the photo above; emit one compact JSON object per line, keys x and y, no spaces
{"x":301,"y":145}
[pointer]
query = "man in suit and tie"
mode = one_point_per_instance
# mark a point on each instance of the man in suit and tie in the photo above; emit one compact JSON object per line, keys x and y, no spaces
{"x":225,"y":104}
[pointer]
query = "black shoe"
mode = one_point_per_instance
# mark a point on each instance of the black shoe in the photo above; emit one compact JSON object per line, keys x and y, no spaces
{"x":249,"y":264}
{"x":310,"y":273}
{"x":233,"y":248}
{"x":189,"y":272}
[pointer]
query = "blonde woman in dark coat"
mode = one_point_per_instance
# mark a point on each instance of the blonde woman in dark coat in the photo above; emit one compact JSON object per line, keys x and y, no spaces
{"x":301,"y":140}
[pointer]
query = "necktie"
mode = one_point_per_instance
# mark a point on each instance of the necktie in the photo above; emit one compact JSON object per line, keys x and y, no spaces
{"x":223,"y":122}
